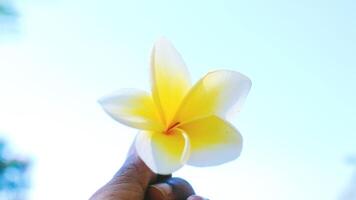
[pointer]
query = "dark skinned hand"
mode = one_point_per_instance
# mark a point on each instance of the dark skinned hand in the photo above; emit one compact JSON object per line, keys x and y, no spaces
{"x":135,"y":181}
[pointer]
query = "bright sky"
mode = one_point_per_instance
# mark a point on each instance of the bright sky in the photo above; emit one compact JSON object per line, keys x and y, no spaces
{"x":298,"y":122}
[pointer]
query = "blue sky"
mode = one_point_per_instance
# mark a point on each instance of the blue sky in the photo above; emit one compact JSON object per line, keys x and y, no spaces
{"x":298,"y":122}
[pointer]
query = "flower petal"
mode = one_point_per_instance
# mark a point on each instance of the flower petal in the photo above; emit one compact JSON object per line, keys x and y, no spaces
{"x":170,"y":79}
{"x":214,"y":94}
{"x":163,"y":153}
{"x":134,"y":108}
{"x":213,"y":141}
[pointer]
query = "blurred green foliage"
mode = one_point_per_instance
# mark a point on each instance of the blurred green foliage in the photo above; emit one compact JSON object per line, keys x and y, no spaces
{"x":14,"y":176}
{"x":8,"y":18}
{"x":6,"y":9}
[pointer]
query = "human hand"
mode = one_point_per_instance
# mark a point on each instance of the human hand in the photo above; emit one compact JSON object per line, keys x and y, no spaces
{"x":135,"y":181}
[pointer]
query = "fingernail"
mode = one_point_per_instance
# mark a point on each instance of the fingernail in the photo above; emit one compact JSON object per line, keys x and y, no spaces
{"x":160,"y":191}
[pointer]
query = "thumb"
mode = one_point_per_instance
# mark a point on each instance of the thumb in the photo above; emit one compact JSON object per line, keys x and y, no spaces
{"x":130,"y":182}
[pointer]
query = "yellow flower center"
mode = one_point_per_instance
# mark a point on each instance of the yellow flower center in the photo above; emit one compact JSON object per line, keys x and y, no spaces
{"x":170,"y":128}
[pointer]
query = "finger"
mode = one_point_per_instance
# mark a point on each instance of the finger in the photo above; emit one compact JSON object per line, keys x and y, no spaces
{"x":170,"y":189}
{"x":159,"y":191}
{"x":181,"y":188}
